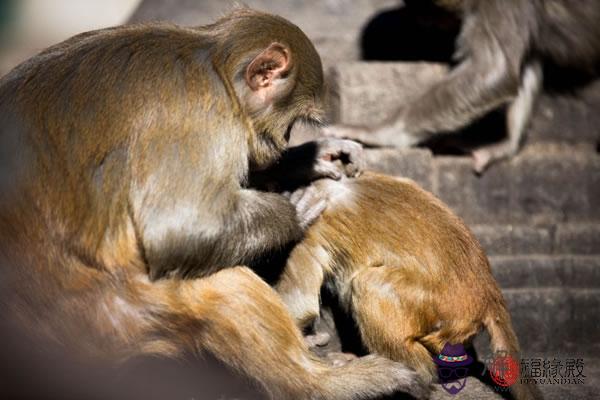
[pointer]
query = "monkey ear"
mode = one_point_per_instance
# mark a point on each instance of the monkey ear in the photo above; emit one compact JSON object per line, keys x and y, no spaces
{"x":270,"y":64}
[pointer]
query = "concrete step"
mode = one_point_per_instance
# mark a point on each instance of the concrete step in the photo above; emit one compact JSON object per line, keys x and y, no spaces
{"x":547,"y":183}
{"x":340,"y":43}
{"x":558,"y":320}
{"x":560,"y":239}
{"x":369,"y":92}
{"x":541,"y":271}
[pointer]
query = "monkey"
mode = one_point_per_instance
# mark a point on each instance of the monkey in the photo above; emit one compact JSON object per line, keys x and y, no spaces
{"x":404,"y":267}
{"x":126,"y":221}
{"x":501,"y":49}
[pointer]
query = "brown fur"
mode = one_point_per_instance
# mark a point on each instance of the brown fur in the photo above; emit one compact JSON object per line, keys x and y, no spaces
{"x":125,"y":154}
{"x":405,"y":266}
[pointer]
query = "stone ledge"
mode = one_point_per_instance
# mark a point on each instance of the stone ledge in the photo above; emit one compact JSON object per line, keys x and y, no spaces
{"x":369,"y":92}
{"x":540,"y":271}
{"x":555,"y":320}
{"x":545,"y":184}
{"x":415,"y":164}
{"x":501,"y":239}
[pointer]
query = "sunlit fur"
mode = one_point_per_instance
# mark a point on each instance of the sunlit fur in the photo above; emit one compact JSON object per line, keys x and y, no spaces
{"x":405,"y":267}
{"x":124,"y":154}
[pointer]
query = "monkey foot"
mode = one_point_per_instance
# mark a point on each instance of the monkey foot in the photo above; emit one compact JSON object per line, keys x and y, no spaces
{"x":339,"y":359}
{"x":319,"y":339}
{"x":481,"y":160}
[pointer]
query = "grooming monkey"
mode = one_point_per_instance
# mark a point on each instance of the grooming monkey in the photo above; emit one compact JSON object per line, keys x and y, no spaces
{"x":501,"y":49}
{"x":124,"y":211}
{"x":404,"y":266}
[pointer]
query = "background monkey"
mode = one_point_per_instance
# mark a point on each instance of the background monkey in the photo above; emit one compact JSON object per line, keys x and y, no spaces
{"x":501,"y":48}
{"x":404,"y":266}
{"x":125,"y":157}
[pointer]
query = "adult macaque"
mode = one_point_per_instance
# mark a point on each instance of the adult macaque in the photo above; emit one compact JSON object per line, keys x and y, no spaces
{"x":501,"y":48}
{"x":125,"y":156}
{"x":404,"y":266}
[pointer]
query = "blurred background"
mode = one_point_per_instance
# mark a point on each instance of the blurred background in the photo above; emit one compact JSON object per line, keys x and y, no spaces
{"x":28,"y":26}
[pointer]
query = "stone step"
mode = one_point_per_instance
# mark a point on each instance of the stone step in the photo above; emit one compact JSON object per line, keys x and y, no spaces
{"x":333,"y":45}
{"x":556,"y":320}
{"x":547,"y":183}
{"x":547,"y":239}
{"x":369,"y":92}
{"x":540,"y":271}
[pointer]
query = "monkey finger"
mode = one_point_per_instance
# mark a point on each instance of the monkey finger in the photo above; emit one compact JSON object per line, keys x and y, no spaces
{"x":312,"y":213}
{"x":309,"y":203}
{"x":327,"y":169}
{"x":296,"y":196}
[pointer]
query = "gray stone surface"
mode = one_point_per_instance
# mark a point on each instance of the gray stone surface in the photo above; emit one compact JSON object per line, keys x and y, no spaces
{"x":567,"y":117}
{"x":415,"y":164}
{"x":334,"y":26}
{"x":515,"y":239}
{"x":555,"y":319}
{"x":545,"y":184}
{"x":477,"y":199}
{"x":368,"y":93}
{"x":508,"y":239}
{"x":538,"y":271}
{"x":578,"y":239}
{"x":556,"y":183}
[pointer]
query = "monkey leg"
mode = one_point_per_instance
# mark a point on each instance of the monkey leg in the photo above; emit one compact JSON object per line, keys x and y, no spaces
{"x":386,"y":307}
{"x":239,"y":319}
{"x":517,"y":118}
{"x":300,"y":284}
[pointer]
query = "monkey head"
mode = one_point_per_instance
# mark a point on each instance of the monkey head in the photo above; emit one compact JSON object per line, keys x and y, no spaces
{"x":277,"y":77}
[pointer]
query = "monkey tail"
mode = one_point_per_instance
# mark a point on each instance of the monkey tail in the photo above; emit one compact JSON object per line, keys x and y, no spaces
{"x":503,"y":339}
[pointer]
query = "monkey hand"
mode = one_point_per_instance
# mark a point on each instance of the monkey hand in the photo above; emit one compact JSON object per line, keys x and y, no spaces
{"x":309,"y":203}
{"x":337,"y":156}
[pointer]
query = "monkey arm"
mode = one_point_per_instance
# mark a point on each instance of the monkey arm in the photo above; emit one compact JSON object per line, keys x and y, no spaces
{"x":200,"y":234}
{"x":493,"y":44}
{"x":300,"y":165}
{"x":474,"y":88}
{"x":261,"y":222}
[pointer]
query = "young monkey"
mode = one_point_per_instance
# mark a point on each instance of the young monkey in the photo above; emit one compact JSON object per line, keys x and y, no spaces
{"x":405,"y":267}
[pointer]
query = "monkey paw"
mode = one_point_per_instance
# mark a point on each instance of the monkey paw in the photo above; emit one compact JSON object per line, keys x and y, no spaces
{"x":309,"y":203}
{"x":348,"y":152}
{"x":481,"y":160}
